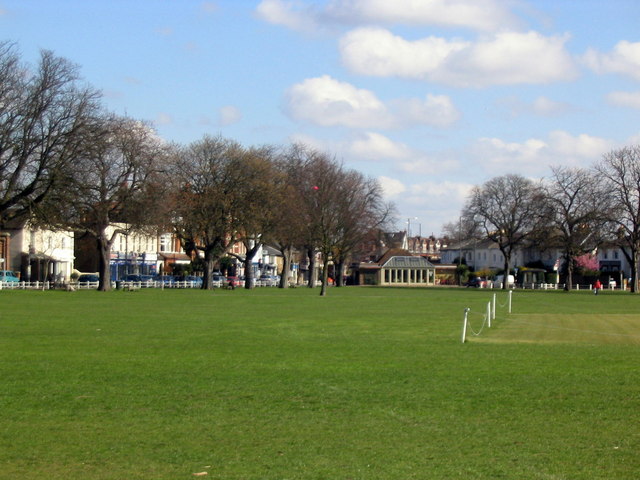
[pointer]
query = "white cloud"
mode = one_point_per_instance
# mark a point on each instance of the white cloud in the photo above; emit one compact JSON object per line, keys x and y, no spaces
{"x":229,"y":115}
{"x":623,"y":59}
{"x":434,"y":203}
{"x":378,"y":52}
{"x":291,"y":14}
{"x":534,"y":156}
{"x":435,"y":110}
{"x":428,"y":164}
{"x":541,"y":106}
{"x":374,"y":146}
{"x":444,"y":191}
{"x":578,"y":148}
{"x":480,"y":15}
{"x":502,"y":59}
{"x":546,"y":107}
{"x":625,"y":99}
{"x":328,"y":102}
{"x":391,"y":186}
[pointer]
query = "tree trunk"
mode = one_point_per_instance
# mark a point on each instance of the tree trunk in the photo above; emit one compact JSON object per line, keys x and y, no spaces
{"x":209,"y":266}
{"x":248,"y":262}
{"x":339,"y":272}
{"x":325,"y":275}
{"x":568,"y":260}
{"x":286,"y":266}
{"x":634,"y":271}
{"x":210,"y":259}
{"x":632,"y":257}
{"x":507,"y":267}
{"x":104,"y":257}
{"x":312,"y":268}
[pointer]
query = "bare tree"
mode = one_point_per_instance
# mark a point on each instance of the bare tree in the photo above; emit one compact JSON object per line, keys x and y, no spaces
{"x":575,"y":215}
{"x":620,"y":170}
{"x":289,"y":221}
{"x":507,"y":208}
{"x":361,"y":209}
{"x":258,"y":202}
{"x":338,"y":207}
{"x":107,"y":185}
{"x":467,"y":227}
{"x":320,"y":191}
{"x":45,"y":121}
{"x":206,"y":203}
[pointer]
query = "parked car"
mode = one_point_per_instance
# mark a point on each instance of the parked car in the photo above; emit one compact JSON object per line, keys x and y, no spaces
{"x":270,"y":280}
{"x":497,"y":283}
{"x":477,"y":282}
{"x":195,"y":281}
{"x":88,"y":278}
{"x":167,"y":280}
{"x":8,"y":276}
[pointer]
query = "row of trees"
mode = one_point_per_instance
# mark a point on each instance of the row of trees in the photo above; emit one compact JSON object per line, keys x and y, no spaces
{"x":67,"y":163}
{"x":294,"y":197}
{"x":574,"y":210}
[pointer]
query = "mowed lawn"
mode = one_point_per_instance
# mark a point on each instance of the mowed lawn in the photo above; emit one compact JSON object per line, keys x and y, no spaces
{"x":366,"y":383}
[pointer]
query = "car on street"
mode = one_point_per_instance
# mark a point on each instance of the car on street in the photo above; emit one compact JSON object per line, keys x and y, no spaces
{"x":477,"y":282}
{"x":8,"y":276}
{"x":269,"y":280}
{"x":88,"y":278}
{"x":498,"y":282}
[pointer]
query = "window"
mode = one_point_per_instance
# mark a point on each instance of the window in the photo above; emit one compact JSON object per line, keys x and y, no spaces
{"x":164,"y":242}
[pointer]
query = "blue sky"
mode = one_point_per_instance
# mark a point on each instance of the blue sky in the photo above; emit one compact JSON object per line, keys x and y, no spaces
{"x":431,"y":97}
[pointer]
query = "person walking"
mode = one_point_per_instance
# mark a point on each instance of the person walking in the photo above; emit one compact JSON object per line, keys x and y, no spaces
{"x":596,"y":287}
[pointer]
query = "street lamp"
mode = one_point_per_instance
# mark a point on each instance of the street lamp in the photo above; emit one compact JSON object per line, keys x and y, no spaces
{"x":409,"y":226}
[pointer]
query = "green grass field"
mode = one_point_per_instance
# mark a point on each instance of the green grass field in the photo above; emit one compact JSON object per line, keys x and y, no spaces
{"x":366,"y":383}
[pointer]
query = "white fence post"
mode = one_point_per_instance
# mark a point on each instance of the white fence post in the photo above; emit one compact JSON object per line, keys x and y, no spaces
{"x":464,"y":325}
{"x":510,"y":294}
{"x":493,"y":311}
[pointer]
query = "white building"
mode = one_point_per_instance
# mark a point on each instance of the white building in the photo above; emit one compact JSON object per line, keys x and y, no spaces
{"x":40,"y":254}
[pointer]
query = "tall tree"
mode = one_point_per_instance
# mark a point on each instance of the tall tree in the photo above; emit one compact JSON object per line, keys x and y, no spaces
{"x":620,"y":170}
{"x":109,"y":184}
{"x":575,"y":215}
{"x":258,"y":202}
{"x":289,"y":223}
{"x":361,"y":209}
{"x":45,"y":121}
{"x":339,"y":207}
{"x":507,"y":208}
{"x":206,"y":200}
{"x":320,"y":189}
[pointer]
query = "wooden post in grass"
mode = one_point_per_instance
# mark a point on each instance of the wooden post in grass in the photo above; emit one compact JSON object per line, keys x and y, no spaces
{"x":510,"y":293}
{"x":489,"y":314}
{"x":464,"y":325}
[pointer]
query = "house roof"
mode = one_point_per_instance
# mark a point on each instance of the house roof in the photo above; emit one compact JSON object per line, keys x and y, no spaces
{"x":400,"y":258}
{"x":408,"y":262}
{"x":393,"y":252}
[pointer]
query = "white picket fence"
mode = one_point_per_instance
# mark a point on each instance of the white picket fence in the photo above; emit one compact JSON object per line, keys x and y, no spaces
{"x":126,"y":285}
